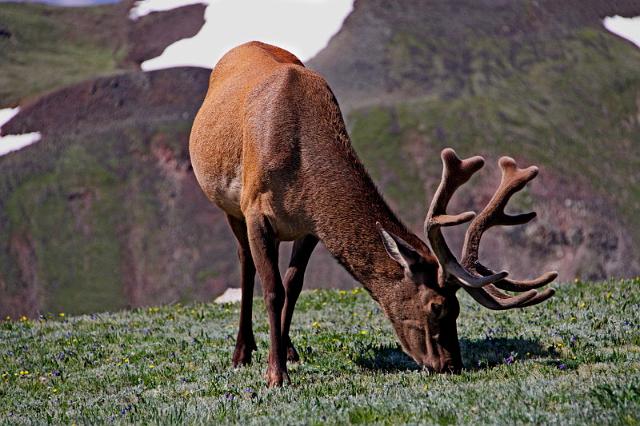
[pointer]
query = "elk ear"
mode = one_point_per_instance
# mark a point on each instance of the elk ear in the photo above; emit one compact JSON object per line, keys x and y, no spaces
{"x":398,"y":249}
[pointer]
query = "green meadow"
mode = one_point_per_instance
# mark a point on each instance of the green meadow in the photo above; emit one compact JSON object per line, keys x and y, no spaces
{"x":572,"y":360}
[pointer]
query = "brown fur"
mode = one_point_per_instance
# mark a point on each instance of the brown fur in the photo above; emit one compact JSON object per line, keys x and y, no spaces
{"x":269,"y":146}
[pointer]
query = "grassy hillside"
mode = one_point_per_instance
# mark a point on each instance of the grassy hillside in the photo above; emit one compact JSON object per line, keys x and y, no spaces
{"x":543,"y":82}
{"x":43,"y":48}
{"x":573,"y":360}
{"x":109,"y":215}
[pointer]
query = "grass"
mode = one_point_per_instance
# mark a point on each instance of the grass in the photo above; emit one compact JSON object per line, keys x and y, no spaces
{"x":573,"y":360}
{"x":51,"y":47}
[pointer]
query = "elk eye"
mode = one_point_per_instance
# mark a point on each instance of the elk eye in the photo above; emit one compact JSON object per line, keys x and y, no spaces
{"x":436,"y":309}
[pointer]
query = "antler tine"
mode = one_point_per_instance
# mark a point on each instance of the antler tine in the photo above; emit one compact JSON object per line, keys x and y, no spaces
{"x":518,"y":285}
{"x":455,"y":173}
{"x":513,"y":180}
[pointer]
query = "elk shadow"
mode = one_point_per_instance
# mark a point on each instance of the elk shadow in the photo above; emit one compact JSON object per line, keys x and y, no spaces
{"x":477,"y":354}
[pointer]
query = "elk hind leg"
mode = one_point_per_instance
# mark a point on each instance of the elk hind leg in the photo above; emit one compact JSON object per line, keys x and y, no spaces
{"x":245,"y":342}
{"x":264,"y":250}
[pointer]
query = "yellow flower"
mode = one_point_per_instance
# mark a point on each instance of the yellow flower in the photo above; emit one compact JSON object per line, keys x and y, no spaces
{"x":152,"y":366}
{"x":315,"y":324}
{"x":61,"y":314}
{"x":24,"y":372}
{"x":364,"y":332}
{"x":342,"y":292}
{"x":54,"y":390}
{"x":24,"y":318}
{"x":582,"y":305}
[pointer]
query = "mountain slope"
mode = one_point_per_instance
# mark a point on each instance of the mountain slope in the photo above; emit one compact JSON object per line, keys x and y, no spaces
{"x":107,"y":214}
{"x":45,"y":47}
{"x":539,"y":81}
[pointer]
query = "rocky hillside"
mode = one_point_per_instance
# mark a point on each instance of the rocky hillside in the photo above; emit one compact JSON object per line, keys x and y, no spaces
{"x":105,"y":213}
{"x":541,"y":81}
{"x":43,"y":48}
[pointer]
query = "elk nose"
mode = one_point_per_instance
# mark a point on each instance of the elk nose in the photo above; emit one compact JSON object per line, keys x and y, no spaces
{"x":446,"y":365}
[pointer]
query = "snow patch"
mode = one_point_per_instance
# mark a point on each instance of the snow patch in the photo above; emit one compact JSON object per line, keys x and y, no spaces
{"x":628,"y":28}
{"x":10,"y":143}
{"x":303,"y":27}
{"x":7,"y":114}
{"x":145,"y":7}
{"x":230,"y":295}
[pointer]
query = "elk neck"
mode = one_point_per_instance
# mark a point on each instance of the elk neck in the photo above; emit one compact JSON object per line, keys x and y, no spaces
{"x":346,"y":207}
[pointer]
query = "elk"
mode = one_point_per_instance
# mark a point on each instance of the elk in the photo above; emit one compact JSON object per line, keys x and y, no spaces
{"x":269,"y":146}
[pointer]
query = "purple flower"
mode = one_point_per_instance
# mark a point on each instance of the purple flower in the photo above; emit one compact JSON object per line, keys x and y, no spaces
{"x":248,"y":390}
{"x":56,"y":373}
{"x":562,"y":367}
{"x":509,"y":360}
{"x":229,"y":396}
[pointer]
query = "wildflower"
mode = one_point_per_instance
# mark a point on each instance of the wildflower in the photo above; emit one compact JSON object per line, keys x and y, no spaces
{"x":315,"y":324}
{"x":229,"y":396}
{"x":364,"y":332}
{"x":61,"y":314}
{"x":562,"y":367}
{"x":152,"y":366}
{"x":24,"y":372}
{"x":23,"y":318}
{"x":342,"y":292}
{"x":582,"y":305}
{"x":509,"y":360}
{"x":56,"y":373}
{"x":54,"y":390}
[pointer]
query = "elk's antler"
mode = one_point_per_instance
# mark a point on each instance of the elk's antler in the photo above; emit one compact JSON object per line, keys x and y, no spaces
{"x":455,"y":173}
{"x":475,"y":278}
{"x":513,"y":180}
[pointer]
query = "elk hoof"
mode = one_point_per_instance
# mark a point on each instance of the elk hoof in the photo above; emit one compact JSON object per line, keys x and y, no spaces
{"x":292,"y":354}
{"x":277,"y":378}
{"x":242,"y":354}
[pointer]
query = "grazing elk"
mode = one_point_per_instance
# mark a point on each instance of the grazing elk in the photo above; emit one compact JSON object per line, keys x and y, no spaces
{"x":269,"y":147}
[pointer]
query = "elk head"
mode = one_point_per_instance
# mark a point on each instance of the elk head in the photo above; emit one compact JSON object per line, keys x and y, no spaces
{"x":427,"y":308}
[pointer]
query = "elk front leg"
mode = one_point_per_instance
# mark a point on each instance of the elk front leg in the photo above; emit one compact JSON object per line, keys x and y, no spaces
{"x":293,"y":280}
{"x":245,"y":342}
{"x":264,"y":249}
